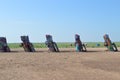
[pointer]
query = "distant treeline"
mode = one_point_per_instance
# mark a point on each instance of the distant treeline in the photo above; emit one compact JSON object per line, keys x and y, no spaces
{"x":64,"y":45}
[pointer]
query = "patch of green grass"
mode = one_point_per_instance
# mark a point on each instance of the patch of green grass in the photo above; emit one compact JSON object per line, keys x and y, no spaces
{"x":14,"y":45}
{"x":63,"y":45}
{"x":39,"y":45}
{"x":95,"y":44}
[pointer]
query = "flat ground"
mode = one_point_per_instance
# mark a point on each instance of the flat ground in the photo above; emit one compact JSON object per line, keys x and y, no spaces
{"x":96,"y":64}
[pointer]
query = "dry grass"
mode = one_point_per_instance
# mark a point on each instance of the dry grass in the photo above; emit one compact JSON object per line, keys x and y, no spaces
{"x":96,"y":64}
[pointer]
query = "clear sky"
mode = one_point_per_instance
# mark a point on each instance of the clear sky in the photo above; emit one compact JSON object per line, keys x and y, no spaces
{"x":60,"y":18}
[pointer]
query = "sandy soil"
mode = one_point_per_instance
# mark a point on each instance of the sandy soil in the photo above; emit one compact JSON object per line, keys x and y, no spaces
{"x":96,"y":64}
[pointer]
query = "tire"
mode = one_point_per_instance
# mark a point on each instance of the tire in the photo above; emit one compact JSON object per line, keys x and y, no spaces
{"x":114,"y":47}
{"x":84,"y":48}
{"x":56,"y":47}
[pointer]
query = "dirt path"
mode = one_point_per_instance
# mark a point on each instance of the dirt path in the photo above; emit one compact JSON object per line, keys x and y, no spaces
{"x":96,"y":64}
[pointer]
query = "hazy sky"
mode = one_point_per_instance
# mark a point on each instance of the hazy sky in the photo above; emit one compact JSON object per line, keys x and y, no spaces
{"x":60,"y":18}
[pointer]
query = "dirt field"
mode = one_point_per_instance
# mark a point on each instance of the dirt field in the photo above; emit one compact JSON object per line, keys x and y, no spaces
{"x":96,"y":64}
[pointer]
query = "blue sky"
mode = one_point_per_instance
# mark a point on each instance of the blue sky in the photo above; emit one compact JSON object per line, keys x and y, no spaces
{"x":60,"y":18}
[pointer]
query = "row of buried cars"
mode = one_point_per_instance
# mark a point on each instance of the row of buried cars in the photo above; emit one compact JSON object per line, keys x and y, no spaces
{"x":27,"y":45}
{"x":79,"y":46}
